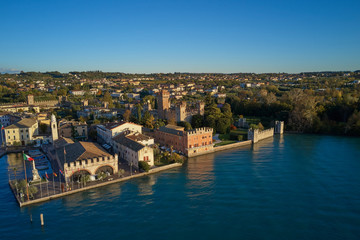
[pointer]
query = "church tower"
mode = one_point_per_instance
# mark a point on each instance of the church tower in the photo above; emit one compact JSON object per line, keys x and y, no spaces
{"x":54,"y":131}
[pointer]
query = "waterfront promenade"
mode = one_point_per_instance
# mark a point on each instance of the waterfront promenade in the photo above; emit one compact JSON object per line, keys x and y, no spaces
{"x":48,"y":191}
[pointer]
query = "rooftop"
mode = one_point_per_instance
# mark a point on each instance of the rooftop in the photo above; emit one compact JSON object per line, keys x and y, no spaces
{"x":80,"y":151}
{"x":138,"y":137}
{"x":24,"y":123}
{"x":128,"y":142}
{"x":172,"y":129}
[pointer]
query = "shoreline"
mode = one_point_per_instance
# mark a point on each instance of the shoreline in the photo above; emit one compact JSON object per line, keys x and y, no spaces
{"x":151,"y":171}
{"x":59,"y":195}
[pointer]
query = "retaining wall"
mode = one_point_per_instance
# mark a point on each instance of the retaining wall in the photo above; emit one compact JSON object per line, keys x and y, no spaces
{"x":221,"y":148}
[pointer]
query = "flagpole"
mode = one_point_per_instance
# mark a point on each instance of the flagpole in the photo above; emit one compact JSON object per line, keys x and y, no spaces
{"x":60,"y":181}
{"x":40,"y":187}
{"x":47,"y":185}
{"x":27,"y":188}
{"x":53,"y":183}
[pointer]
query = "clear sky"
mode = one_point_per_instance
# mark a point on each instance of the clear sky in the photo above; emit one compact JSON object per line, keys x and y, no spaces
{"x":145,"y":36}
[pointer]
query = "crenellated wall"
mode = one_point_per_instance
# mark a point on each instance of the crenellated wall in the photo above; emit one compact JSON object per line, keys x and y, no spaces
{"x":256,"y":135}
{"x":91,"y":165}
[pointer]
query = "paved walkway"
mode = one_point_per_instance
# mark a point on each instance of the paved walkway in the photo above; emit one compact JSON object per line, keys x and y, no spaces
{"x":216,"y":138}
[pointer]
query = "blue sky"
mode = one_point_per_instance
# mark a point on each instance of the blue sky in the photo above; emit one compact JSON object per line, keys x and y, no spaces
{"x":140,"y":36}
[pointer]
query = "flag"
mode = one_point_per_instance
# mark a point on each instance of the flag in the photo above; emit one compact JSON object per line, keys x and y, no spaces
{"x":46,"y":175}
{"x":27,"y":157}
{"x":64,"y":151}
{"x":2,"y":127}
{"x":61,"y":172}
{"x":55,"y":174}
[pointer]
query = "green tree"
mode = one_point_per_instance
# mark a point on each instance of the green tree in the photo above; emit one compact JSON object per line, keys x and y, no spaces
{"x":186,"y":125}
{"x":223,"y":125}
{"x":126,"y":115}
{"x":197,"y":121}
{"x":107,"y":98}
{"x":139,"y":110}
{"x":144,"y":166}
{"x":148,"y":120}
{"x":226,"y":110}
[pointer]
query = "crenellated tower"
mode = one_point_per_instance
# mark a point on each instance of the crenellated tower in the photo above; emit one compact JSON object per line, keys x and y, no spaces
{"x":163,"y":99}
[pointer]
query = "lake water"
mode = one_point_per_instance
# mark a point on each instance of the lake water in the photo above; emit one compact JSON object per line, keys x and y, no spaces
{"x":290,"y":187}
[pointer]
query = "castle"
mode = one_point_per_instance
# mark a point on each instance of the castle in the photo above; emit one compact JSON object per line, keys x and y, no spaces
{"x":181,"y":111}
{"x":30,"y":104}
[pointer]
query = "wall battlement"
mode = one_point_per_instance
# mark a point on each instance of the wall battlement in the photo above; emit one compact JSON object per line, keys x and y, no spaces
{"x":255,"y":135}
{"x":199,"y":131}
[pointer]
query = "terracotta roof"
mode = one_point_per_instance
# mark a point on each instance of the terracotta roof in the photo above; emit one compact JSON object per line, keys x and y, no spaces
{"x":80,"y":151}
{"x":138,"y":137}
{"x":127,"y":142}
{"x":172,"y":129}
{"x":113,"y":125}
{"x":24,"y":123}
{"x":63,"y":141}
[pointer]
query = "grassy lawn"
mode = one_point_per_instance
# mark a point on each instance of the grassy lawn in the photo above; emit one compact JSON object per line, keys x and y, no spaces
{"x":224,"y":143}
{"x":224,"y":137}
{"x":239,"y":131}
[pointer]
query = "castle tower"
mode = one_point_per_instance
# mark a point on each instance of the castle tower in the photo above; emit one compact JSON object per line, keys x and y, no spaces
{"x":253,"y":135}
{"x":54,"y":131}
{"x":201,"y":108}
{"x":30,"y":100}
{"x":181,"y":112}
{"x":163,"y":99}
{"x":279,"y":127}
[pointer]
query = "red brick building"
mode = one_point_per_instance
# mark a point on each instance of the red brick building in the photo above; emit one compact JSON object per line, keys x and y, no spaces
{"x":191,"y":142}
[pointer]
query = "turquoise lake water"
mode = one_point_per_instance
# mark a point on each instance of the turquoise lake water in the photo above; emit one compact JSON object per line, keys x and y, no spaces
{"x":290,"y":187}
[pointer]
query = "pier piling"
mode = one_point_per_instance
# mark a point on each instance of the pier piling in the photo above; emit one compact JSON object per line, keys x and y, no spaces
{"x":42,"y":219}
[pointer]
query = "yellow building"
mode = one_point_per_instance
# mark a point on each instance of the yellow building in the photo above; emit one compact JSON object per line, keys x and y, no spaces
{"x":22,"y":132}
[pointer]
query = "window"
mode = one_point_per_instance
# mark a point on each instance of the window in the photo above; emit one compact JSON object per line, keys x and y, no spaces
{"x":21,"y":130}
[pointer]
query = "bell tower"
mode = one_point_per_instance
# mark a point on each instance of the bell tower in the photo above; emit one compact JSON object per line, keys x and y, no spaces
{"x":54,"y":131}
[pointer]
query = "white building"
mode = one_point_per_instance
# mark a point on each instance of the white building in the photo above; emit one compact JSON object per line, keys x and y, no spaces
{"x":106,"y":132}
{"x":133,"y":151}
{"x":77,"y":92}
{"x":22,"y":132}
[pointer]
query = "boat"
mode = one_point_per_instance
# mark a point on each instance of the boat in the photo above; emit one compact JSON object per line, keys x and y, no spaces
{"x":42,"y":167}
{"x":34,"y":153}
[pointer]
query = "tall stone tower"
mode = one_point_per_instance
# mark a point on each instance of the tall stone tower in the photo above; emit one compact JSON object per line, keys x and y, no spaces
{"x":200,"y":107}
{"x":163,"y":99}
{"x":279,"y":127}
{"x":54,"y":131}
{"x":181,"y":112}
{"x":30,"y":100}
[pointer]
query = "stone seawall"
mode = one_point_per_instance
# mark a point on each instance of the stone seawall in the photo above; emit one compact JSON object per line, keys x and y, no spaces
{"x":233,"y":145}
{"x":151,"y":171}
{"x":266,"y":134}
{"x":222,"y":148}
{"x":256,"y":135}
